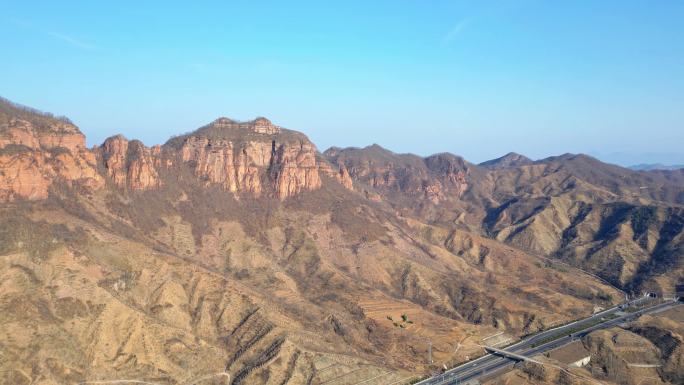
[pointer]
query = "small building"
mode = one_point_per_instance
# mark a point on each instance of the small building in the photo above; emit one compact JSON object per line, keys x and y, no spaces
{"x":572,"y":354}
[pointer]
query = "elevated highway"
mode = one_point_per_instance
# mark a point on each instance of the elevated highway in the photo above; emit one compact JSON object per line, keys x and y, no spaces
{"x":504,"y":359}
{"x":511,"y":355}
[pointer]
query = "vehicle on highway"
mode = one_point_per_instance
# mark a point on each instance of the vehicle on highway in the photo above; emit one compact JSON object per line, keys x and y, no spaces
{"x":528,"y":347}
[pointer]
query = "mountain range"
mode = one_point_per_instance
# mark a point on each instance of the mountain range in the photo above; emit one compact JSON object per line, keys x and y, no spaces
{"x":241,"y":247}
{"x":655,"y":166}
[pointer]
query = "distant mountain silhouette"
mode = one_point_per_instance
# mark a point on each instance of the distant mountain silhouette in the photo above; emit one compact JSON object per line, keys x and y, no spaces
{"x":655,"y":166}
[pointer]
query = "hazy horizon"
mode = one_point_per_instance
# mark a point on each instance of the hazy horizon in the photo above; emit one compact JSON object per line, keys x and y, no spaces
{"x":477,"y":80}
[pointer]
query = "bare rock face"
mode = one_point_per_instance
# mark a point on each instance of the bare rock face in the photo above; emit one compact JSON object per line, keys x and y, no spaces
{"x":130,"y":164}
{"x":142,"y":174}
{"x":254,"y":157}
{"x":22,"y":176}
{"x":32,"y":158}
{"x":259,"y":125}
{"x":264,"y":126}
{"x":449,"y":174}
{"x":294,"y":169}
{"x":60,"y":134}
{"x":341,"y":175}
{"x":216,"y":161}
{"x":433,"y":178}
{"x":115,"y":150}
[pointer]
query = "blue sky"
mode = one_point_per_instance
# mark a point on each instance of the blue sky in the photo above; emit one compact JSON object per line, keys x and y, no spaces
{"x":476,"y":78}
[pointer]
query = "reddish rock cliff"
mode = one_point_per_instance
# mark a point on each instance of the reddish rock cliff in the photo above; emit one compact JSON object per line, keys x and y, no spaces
{"x":59,"y":134}
{"x":130,"y":164}
{"x":22,"y":175}
{"x":340,"y":174}
{"x":217,"y":161}
{"x":241,"y":157}
{"x":32,"y":157}
{"x":254,"y":158}
{"x":434,"y":178}
{"x":294,"y":169}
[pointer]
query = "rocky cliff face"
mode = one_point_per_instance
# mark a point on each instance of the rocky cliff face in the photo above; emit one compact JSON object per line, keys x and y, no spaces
{"x":259,"y":125}
{"x":293,"y":169}
{"x":22,"y":176}
{"x":448,"y":171}
{"x":338,"y":172}
{"x":32,"y":158}
{"x":434,"y":178}
{"x":130,"y":164}
{"x":217,"y":161}
{"x":59,"y":134}
{"x":255,"y":157}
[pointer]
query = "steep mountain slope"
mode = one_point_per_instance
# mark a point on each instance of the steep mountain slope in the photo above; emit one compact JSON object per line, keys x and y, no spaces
{"x":36,"y":150}
{"x":404,"y":176}
{"x":239,"y":247}
{"x":647,"y":351}
{"x":430,"y":189}
{"x":622,"y":225}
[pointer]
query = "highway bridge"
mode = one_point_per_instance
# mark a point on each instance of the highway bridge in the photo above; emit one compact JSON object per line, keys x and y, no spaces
{"x":504,"y":359}
{"x":511,"y":355}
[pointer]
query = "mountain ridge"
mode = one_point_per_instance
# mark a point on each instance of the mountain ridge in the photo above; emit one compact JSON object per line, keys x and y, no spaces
{"x":655,"y":166}
{"x":239,"y":246}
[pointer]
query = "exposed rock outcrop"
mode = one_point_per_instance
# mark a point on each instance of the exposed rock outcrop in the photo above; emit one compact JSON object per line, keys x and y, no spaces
{"x":216,"y":161}
{"x":293,"y":169}
{"x":434,"y":178}
{"x":259,"y":125}
{"x":32,"y":157}
{"x":254,"y":157}
{"x":130,"y":164}
{"x":339,"y":173}
{"x":22,"y":176}
{"x":60,"y":134}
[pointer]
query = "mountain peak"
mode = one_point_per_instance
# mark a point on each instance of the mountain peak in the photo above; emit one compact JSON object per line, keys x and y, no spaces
{"x":222,"y":121}
{"x":259,"y":125}
{"x":512,"y":159}
{"x":569,"y":158}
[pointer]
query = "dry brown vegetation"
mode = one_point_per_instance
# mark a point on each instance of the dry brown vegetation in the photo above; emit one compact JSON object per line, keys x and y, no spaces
{"x":184,"y":278}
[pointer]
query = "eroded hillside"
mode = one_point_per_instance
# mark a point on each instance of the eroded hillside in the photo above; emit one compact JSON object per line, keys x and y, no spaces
{"x":239,"y":248}
{"x":648,"y":351}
